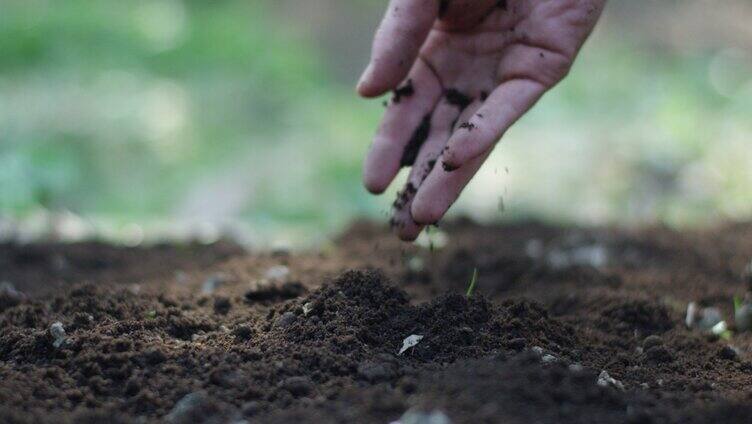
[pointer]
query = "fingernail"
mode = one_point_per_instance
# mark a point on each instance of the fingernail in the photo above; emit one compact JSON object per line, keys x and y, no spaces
{"x":365,"y":77}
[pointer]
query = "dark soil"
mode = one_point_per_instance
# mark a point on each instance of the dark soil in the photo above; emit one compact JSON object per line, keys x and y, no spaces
{"x":198,"y":334}
{"x":416,"y":142}
{"x":405,"y":90}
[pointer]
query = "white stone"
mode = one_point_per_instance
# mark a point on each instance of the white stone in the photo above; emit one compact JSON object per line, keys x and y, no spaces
{"x":409,"y":342}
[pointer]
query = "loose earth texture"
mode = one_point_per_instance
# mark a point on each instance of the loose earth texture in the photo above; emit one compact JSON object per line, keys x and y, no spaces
{"x":565,"y":325}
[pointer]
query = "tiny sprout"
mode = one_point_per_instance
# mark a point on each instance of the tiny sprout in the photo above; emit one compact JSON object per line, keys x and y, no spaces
{"x":473,"y":280}
{"x":151,"y":314}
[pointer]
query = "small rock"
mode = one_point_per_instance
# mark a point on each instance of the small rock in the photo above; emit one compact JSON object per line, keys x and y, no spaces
{"x":409,"y":342}
{"x":277,"y":272}
{"x":286,"y":320}
{"x":719,"y":328}
{"x":414,"y":416}
{"x":605,"y":380}
{"x":297,"y":386}
{"x":547,"y":359}
{"x":537,"y":349}
{"x":728,"y":353}
{"x":57,"y":331}
{"x":702,"y":318}
{"x":651,"y":341}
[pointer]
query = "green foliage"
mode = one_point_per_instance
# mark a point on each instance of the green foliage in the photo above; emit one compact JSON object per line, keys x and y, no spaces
{"x":174,"y":109}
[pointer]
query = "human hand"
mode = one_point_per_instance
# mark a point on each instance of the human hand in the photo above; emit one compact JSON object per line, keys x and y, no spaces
{"x":462,"y":71}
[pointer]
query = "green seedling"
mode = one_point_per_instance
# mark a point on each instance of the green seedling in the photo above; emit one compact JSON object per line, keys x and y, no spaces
{"x":151,"y":314}
{"x":473,"y":280}
{"x":737,"y":303}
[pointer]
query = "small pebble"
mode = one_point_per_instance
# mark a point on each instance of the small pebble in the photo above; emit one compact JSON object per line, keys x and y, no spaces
{"x":537,"y":349}
{"x":605,"y":380}
{"x":547,"y":359}
{"x":57,"y":331}
{"x":409,"y":342}
{"x":702,"y":318}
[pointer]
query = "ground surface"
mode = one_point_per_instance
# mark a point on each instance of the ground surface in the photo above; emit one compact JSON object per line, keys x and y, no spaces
{"x":212,"y":334}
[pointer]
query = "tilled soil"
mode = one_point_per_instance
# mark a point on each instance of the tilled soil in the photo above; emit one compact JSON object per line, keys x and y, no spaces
{"x":213,"y":334}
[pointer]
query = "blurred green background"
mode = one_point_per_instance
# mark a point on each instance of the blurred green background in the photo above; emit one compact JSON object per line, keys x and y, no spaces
{"x":186,"y":118}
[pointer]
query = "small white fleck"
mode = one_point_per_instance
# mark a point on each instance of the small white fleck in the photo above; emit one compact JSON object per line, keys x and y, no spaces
{"x":409,"y":342}
{"x":57,"y":331}
{"x":605,"y":380}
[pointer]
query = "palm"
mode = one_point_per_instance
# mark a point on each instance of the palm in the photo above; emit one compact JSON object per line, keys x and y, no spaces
{"x":463,"y":80}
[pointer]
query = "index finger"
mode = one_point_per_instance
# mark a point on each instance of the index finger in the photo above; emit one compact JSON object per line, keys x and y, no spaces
{"x":396,"y":44}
